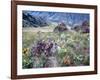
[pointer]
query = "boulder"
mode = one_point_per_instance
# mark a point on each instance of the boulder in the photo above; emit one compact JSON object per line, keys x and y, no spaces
{"x":61,"y":27}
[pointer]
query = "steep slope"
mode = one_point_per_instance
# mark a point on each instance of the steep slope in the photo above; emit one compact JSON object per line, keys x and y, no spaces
{"x":33,"y":21}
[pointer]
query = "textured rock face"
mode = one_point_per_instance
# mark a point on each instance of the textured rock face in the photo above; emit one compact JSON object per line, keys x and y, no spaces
{"x":60,"y":27}
{"x":84,"y":27}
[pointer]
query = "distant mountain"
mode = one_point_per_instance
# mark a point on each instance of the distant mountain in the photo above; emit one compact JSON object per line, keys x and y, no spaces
{"x":42,"y":18}
{"x":33,"y":21}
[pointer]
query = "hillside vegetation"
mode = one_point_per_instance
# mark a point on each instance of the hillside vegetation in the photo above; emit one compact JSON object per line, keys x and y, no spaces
{"x":50,"y":49}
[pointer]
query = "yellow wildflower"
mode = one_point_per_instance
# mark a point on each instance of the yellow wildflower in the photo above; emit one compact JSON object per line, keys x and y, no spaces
{"x":25,"y":50}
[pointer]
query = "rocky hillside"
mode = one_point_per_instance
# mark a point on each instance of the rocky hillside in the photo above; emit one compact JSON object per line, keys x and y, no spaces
{"x":33,"y":21}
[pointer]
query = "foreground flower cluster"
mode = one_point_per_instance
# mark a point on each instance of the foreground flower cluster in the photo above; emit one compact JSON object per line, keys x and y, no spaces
{"x":48,"y":49}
